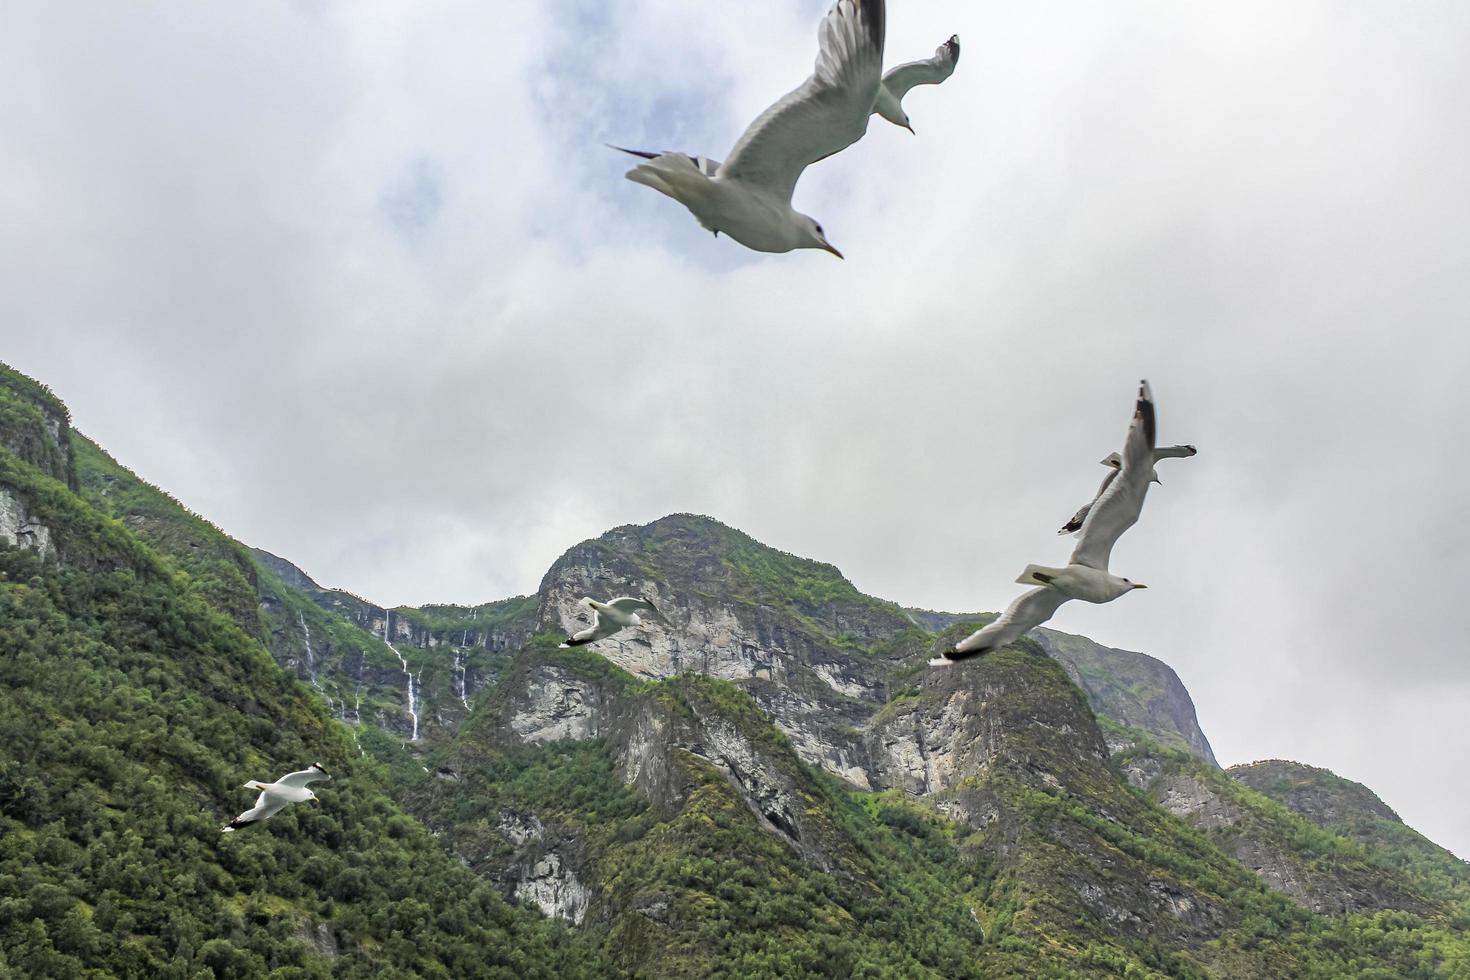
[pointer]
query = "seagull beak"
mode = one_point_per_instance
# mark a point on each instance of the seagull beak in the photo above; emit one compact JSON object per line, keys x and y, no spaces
{"x":829,"y":248}
{"x":909,"y":128}
{"x":1139,"y":585}
{"x":1158,"y":481}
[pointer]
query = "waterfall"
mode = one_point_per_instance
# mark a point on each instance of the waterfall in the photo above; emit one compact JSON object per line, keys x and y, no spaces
{"x":460,"y":668}
{"x":311,"y":664}
{"x":413,"y":703}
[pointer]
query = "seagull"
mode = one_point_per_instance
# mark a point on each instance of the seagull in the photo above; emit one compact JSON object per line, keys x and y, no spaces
{"x":611,"y":617}
{"x":290,"y":788}
{"x":1115,"y":462}
{"x":748,"y":196}
{"x":898,"y":81}
{"x":1086,"y":574}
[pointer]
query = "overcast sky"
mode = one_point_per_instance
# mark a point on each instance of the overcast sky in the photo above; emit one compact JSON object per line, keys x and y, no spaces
{"x":335,"y":275}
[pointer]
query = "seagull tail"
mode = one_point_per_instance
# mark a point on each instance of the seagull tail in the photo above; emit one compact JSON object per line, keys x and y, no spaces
{"x":1038,"y":575}
{"x":672,"y":174}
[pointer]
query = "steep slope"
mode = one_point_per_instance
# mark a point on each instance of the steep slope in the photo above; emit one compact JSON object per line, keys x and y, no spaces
{"x":410,"y":672}
{"x":673,"y":818}
{"x":1353,"y":811}
{"x":131,"y":709}
{"x":1129,"y":688}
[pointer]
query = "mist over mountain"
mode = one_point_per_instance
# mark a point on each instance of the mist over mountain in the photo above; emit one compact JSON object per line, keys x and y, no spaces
{"x":770,"y":784}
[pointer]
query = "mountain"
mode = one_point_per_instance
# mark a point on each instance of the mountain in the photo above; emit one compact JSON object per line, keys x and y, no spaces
{"x":133,"y":704}
{"x":771,"y":785}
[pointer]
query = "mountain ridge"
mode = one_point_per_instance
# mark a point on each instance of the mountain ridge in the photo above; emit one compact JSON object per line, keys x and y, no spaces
{"x":775,"y":785}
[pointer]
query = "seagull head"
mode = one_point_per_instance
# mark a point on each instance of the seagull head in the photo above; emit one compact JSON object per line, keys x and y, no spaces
{"x":812,"y":236}
{"x":1134,"y":585}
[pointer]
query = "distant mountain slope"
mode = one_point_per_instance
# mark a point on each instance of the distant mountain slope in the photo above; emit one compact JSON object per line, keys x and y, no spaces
{"x":131,"y":710}
{"x":1131,"y":689}
{"x":1354,"y":811}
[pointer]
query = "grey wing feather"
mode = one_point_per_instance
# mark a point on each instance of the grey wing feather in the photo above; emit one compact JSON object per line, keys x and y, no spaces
{"x":827,"y":113}
{"x":1032,"y":608}
{"x":266,"y":806}
{"x":1174,"y":452}
{"x":1081,"y":516}
{"x":301,"y":778}
{"x":1117,"y":508}
{"x":930,"y":71}
{"x":629,"y":604}
{"x":592,"y":632}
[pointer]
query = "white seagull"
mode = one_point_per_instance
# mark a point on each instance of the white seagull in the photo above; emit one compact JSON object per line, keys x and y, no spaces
{"x":748,"y":197}
{"x":1086,"y":575}
{"x":290,"y":788}
{"x":1115,"y":462}
{"x":611,"y":617}
{"x":898,"y":81}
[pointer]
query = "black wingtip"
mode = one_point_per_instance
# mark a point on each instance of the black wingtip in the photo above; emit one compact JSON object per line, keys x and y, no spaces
{"x":957,"y":655}
{"x":1145,"y":411}
{"x":572,"y":641}
{"x":875,"y":19}
{"x":637,"y":153}
{"x":954,"y":47}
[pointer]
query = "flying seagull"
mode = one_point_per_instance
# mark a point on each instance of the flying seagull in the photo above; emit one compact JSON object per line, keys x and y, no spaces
{"x":1114,"y":462}
{"x":898,"y":81}
{"x":1086,"y":574}
{"x":748,"y":197}
{"x":290,"y":788}
{"x":610,"y":617}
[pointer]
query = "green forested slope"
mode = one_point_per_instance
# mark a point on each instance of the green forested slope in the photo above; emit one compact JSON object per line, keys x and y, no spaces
{"x":131,"y":710}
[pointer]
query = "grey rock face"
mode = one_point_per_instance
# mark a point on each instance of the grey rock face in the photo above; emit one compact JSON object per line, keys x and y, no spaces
{"x":19,"y":527}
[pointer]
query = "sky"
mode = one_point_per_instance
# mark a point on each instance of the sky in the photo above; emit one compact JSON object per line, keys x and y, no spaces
{"x":360,"y":283}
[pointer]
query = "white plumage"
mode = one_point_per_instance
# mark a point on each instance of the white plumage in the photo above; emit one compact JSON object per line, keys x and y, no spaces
{"x":290,"y":788}
{"x":898,"y":81}
{"x":748,"y":197}
{"x":611,"y":617}
{"x":1086,"y":574}
{"x":1114,"y":462}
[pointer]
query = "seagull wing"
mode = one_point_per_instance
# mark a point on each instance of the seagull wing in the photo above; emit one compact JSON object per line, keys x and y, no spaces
{"x":828,"y":113}
{"x":1032,"y":608}
{"x":301,"y":778}
{"x":628,"y":604}
{"x":931,"y":71}
{"x":1081,"y":515}
{"x":1174,"y":452}
{"x":1117,"y":508}
{"x":594,"y":632}
{"x":266,"y":806}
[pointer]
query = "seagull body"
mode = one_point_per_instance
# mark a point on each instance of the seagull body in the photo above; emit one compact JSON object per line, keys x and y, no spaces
{"x":748,"y":196}
{"x":1086,"y":574}
{"x":611,"y":617}
{"x":1115,"y":462}
{"x":898,"y":81}
{"x":290,"y":788}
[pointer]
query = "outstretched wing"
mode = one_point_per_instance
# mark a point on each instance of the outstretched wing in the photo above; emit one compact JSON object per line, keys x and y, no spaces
{"x":1118,"y":507}
{"x":266,"y":806}
{"x":629,"y":604}
{"x":1174,"y":452}
{"x":828,"y":113}
{"x":591,"y":633}
{"x":1082,"y":512}
{"x":1032,"y":608}
{"x":931,"y":71}
{"x":302,"y":777}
